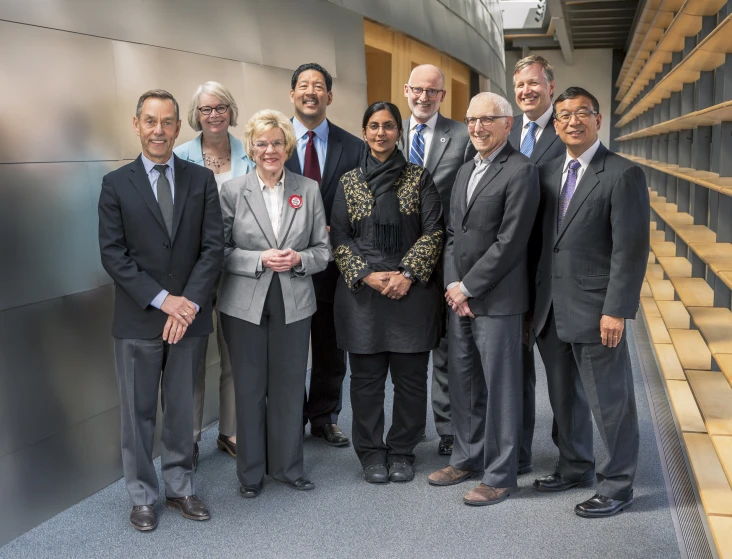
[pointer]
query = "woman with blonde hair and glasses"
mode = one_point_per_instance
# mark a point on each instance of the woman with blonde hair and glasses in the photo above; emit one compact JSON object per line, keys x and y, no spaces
{"x":275,"y":239}
{"x":212,"y":111}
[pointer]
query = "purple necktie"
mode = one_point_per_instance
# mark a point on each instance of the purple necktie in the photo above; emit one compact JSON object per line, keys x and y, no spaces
{"x":567,"y":191}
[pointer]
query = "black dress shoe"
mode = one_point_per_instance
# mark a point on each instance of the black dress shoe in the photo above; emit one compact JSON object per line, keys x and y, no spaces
{"x":191,"y":507}
{"x":301,"y":484}
{"x":195,"y":457}
{"x":600,"y":506}
{"x":251,"y":491}
{"x":143,"y":518}
{"x":376,"y":473}
{"x":557,"y":482}
{"x":445,"y":446}
{"x":224,"y":443}
{"x":401,"y":471}
{"x":525,"y":469}
{"x":331,"y":434}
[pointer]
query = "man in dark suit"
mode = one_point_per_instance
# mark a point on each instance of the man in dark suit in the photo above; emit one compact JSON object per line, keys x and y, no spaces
{"x":493,"y":206}
{"x":442,"y":146}
{"x":534,"y":135}
{"x":324,"y":153}
{"x":594,"y":220}
{"x":161,"y":241}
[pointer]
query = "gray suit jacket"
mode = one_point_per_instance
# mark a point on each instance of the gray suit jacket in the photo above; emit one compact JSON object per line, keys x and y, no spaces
{"x":450,"y":148}
{"x":547,"y":148}
{"x":596,"y":262}
{"x":487,"y":239}
{"x":248,"y":232}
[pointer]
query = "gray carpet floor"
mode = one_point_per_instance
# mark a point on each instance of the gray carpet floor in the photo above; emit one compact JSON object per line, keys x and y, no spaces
{"x":347,"y":517}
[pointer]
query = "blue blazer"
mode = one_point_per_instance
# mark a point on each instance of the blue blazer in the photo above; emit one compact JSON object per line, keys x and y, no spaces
{"x":240,"y":163}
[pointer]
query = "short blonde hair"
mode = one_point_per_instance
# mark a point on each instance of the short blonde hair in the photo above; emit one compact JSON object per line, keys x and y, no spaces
{"x":217,"y":90}
{"x":264,"y":121}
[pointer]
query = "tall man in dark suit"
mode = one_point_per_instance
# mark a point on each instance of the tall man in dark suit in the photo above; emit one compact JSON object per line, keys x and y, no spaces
{"x":594,"y":220}
{"x":493,"y":206}
{"x":161,"y":241}
{"x":324,"y":153}
{"x":534,"y":135}
{"x":442,"y":146}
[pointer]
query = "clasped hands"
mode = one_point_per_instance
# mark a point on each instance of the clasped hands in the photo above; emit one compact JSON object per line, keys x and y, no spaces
{"x":280,"y":260}
{"x":458,"y":301}
{"x":181,"y":313}
{"x":390,"y":284}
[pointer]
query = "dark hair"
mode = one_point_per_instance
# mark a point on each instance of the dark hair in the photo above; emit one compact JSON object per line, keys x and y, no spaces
{"x":383,"y":106}
{"x":574,"y":92}
{"x":312,"y":66}
{"x":156,"y":94}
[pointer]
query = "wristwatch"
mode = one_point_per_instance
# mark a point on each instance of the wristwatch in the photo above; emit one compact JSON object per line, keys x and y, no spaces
{"x":407,"y":274}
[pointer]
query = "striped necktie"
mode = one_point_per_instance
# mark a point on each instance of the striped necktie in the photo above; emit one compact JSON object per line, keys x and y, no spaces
{"x":416,"y":153}
{"x":527,"y":146}
{"x":570,"y":186}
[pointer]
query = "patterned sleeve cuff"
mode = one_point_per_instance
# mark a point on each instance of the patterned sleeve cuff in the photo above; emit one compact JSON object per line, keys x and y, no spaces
{"x":353,"y":267}
{"x":422,"y":258}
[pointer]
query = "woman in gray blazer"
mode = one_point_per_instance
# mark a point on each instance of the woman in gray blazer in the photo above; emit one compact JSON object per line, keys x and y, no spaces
{"x":275,"y":239}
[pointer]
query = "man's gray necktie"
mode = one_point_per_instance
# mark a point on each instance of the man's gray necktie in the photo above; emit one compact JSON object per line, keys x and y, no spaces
{"x":165,"y":198}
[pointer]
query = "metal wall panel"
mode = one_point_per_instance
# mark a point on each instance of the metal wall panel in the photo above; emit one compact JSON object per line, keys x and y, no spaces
{"x":349,"y":104}
{"x":56,"y":366}
{"x":266,"y":88}
{"x":221,"y":28}
{"x":58,"y":103}
{"x":350,"y":49}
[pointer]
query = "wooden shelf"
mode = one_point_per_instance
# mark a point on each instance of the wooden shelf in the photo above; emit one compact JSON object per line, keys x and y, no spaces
{"x":723,"y":446}
{"x":662,"y":290}
{"x":685,"y":408}
{"x":726,"y":277}
{"x":657,"y":330}
{"x":714,"y":489}
{"x":693,"y":292}
{"x":693,"y":353}
{"x":694,"y":233}
{"x":669,"y":362}
{"x":706,"y":56}
{"x":635,"y":50}
{"x":675,"y":266}
{"x":646,"y":290}
{"x":648,"y":304}
{"x":718,"y":256}
{"x":663,"y":249}
{"x":721,"y":527}
{"x":725,"y":363}
{"x":707,"y":179}
{"x":714,"y":396}
{"x":654,"y":271}
{"x":715,"y":324}
{"x":705,"y":117}
{"x":674,"y":314}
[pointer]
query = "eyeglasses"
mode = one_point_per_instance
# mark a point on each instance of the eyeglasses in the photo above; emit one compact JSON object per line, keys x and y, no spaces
{"x":431,"y":93}
{"x":484,"y":120}
{"x":583,"y":114}
{"x":221,"y":109}
{"x":387,"y":126}
{"x":277,"y":145}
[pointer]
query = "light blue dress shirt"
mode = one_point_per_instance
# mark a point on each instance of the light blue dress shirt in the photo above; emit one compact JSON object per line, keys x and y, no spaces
{"x":153,"y":174}
{"x":320,"y":140}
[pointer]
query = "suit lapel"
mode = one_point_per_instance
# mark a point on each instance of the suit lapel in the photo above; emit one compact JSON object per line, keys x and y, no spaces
{"x":495,"y":167}
{"x":332,"y":155}
{"x":138,"y":178}
{"x":440,"y":139}
{"x":254,"y":198}
{"x":405,"y":138}
{"x":293,"y":164}
{"x":587,"y":184}
{"x":514,"y":136}
{"x":548,"y":136}
{"x":292,"y":186}
{"x":182,"y":186}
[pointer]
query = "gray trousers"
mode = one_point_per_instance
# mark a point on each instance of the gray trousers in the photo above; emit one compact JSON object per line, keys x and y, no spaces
{"x":592,"y":377}
{"x":144,"y":368}
{"x":440,"y":392}
{"x":269,"y":361}
{"x":486,"y":395}
{"x":227,"y":407}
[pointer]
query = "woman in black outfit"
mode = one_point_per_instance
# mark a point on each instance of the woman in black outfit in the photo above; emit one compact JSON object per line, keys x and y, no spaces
{"x":387,"y":235}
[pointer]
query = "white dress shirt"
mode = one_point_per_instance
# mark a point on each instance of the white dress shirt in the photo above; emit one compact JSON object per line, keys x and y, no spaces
{"x":274,"y":200}
{"x":542,"y":121}
{"x":584,"y":161}
{"x":427,"y":133}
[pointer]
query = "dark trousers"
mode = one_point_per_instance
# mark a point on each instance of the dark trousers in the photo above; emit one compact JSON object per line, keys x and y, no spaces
{"x":368,"y":378}
{"x":486,"y":397}
{"x":529,"y":403}
{"x":268,"y":362}
{"x":323,"y":404}
{"x":440,"y":390}
{"x":596,"y":378}
{"x":140,"y":364}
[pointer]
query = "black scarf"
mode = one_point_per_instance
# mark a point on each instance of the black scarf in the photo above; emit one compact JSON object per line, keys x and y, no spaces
{"x":381,"y":178}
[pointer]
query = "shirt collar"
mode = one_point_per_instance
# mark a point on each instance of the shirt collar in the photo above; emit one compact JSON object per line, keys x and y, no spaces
{"x":150,"y":164}
{"x":321,"y":131}
{"x":431,"y":123}
{"x":542,"y":121}
{"x":585,"y":158}
{"x":279,"y":183}
{"x":491,"y":157}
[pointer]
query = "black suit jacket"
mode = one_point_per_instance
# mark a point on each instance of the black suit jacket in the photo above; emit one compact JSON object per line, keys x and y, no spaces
{"x":143,"y":259}
{"x":343,"y":155}
{"x":487,"y":239}
{"x":547,"y":148}
{"x":596,"y":262}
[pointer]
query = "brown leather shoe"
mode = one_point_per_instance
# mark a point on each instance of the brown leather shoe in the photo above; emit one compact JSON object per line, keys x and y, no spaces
{"x":143,"y":518}
{"x":486,"y":495}
{"x":224,"y":443}
{"x":191,"y":507}
{"x":451,"y":476}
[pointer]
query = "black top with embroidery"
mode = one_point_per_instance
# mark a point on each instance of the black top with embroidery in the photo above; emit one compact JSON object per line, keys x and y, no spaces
{"x":366,"y":321}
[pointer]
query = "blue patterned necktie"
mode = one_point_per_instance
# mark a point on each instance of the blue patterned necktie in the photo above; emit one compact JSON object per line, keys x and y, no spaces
{"x":567,"y":191}
{"x":527,"y":146}
{"x":416,"y":153}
